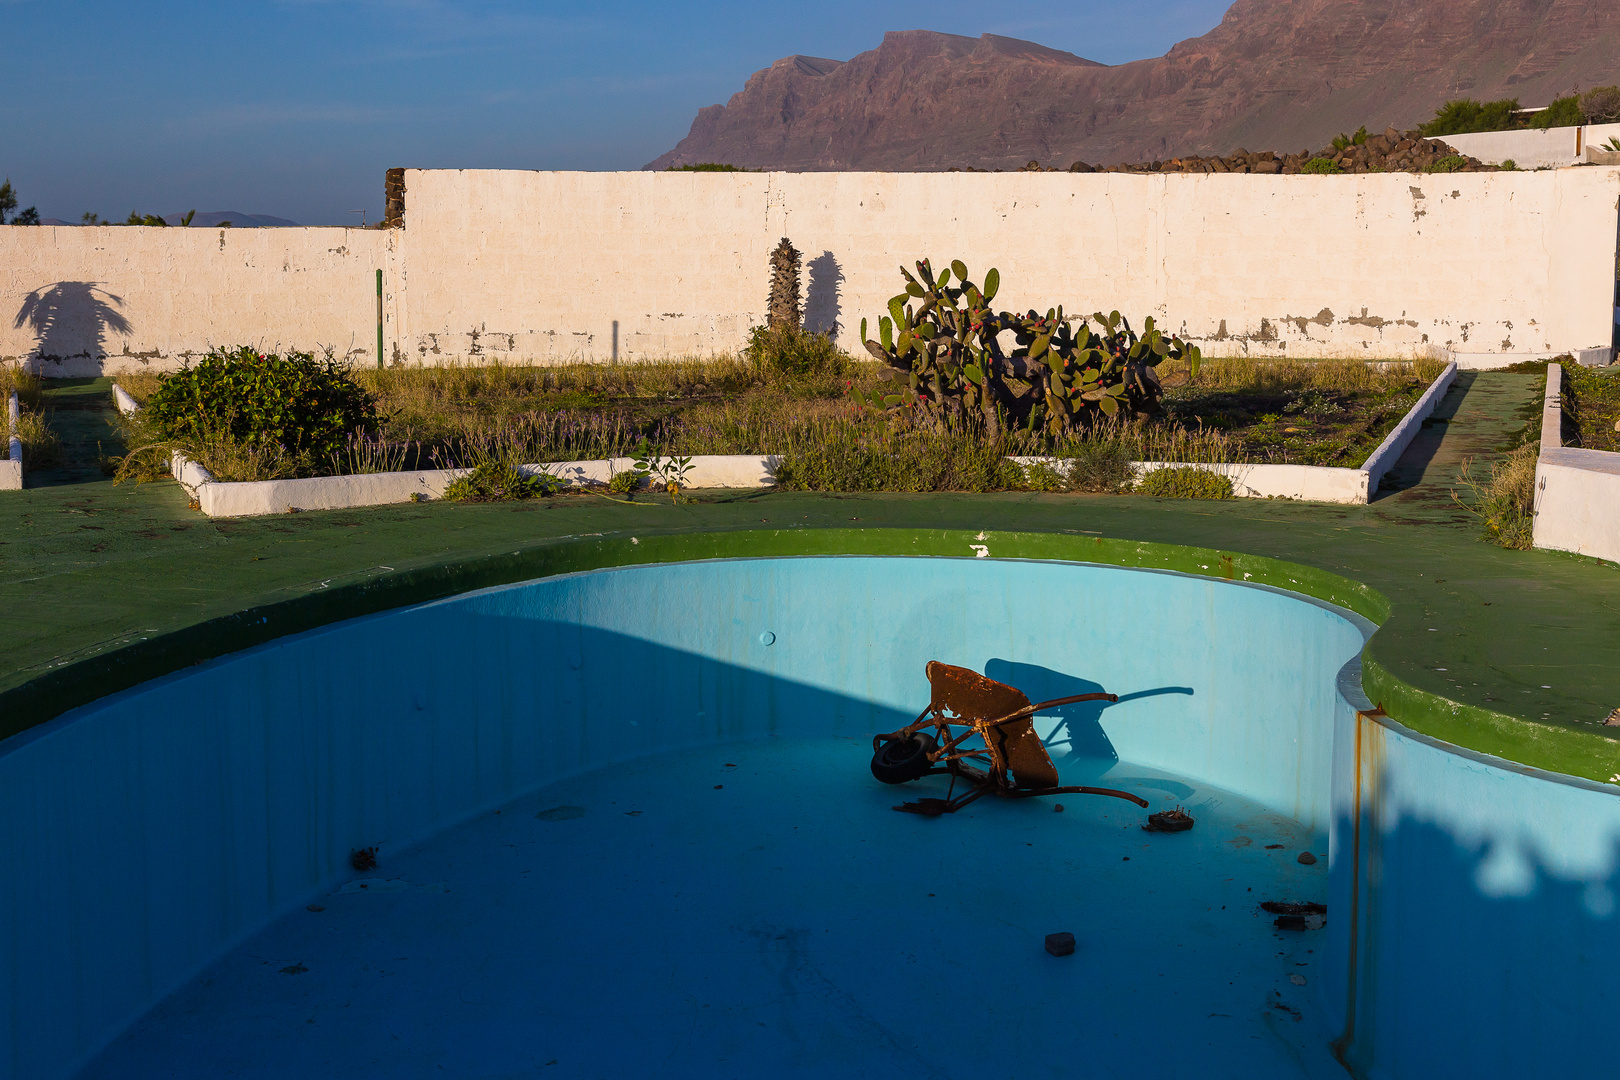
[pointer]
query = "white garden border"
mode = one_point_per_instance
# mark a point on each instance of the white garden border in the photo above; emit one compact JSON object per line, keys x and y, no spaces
{"x":1577,"y":500}
{"x":251,"y":498}
{"x":1315,"y":483}
{"x":11,"y":473}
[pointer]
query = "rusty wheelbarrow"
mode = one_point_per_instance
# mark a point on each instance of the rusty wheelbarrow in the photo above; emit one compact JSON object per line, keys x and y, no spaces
{"x":1017,"y":765}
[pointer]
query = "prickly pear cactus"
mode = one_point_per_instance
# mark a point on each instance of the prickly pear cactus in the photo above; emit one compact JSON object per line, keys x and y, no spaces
{"x":941,"y":340}
{"x":784,"y":312}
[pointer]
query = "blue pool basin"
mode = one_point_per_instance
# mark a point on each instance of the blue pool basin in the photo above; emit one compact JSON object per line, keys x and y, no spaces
{"x":698,"y":734}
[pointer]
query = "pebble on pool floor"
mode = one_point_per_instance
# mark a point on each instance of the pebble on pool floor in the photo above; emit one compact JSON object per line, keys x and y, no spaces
{"x":1061,"y":944}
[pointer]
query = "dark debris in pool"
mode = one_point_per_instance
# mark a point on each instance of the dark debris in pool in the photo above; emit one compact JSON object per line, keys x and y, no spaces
{"x":364,"y":858}
{"x":1292,"y":916}
{"x":1177,"y":820}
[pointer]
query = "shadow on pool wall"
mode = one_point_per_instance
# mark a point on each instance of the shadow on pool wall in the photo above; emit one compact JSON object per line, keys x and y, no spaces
{"x":152,"y":831}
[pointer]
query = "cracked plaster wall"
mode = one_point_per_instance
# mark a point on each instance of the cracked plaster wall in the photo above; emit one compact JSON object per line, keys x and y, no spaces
{"x":551,"y":267}
{"x":545,"y":266}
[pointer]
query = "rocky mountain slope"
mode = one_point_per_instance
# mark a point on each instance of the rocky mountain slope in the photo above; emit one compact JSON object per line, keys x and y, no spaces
{"x":1276,"y":73}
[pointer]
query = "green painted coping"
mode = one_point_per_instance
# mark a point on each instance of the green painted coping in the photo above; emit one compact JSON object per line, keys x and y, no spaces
{"x":1563,"y":750}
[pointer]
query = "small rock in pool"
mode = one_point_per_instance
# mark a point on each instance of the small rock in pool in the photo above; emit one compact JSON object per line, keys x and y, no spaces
{"x":1057,"y":808}
{"x":1307,"y":859}
{"x":1061,"y":944}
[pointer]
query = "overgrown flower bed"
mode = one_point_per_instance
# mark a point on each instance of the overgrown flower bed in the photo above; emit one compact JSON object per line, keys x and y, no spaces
{"x":1261,"y":411}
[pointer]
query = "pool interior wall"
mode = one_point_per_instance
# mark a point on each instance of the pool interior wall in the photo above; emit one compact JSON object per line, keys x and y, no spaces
{"x":149,"y":833}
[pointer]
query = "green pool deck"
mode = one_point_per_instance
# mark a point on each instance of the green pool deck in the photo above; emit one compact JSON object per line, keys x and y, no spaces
{"x":1506,"y":652}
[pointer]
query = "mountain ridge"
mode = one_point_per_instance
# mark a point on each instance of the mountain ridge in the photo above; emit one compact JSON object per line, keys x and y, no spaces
{"x":1280,"y":74}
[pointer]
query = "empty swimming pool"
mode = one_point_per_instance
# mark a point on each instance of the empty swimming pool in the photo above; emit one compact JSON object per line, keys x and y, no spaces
{"x":625,"y":826}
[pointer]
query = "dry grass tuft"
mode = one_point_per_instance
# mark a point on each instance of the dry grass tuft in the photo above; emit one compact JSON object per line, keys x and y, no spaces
{"x":1505,"y":501}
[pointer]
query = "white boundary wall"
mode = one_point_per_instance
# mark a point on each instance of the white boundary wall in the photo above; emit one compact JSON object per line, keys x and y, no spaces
{"x":1533,"y":148}
{"x":105,"y":299}
{"x":551,"y":267}
{"x":1577,"y":491}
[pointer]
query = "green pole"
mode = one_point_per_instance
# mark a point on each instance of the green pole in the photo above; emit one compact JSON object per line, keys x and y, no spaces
{"x":379,"y":320}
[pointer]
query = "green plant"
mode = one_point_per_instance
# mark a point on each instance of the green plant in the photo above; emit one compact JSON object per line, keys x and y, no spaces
{"x":41,"y":446}
{"x":1099,"y":466}
{"x":626,"y":482}
{"x":499,"y":481}
{"x":668,"y":473}
{"x":1321,"y":166}
{"x":704,"y":166}
{"x":848,"y":454}
{"x":306,"y":406}
{"x":1040,"y":476}
{"x":942,"y":341}
{"x":1504,"y":501}
{"x":1448,"y":164}
{"x":1509,"y":165}
{"x":1613,"y":145}
{"x":791,"y":351}
{"x":1464,"y":115}
{"x":1344,"y":142}
{"x":8,"y":203}
{"x":1563,"y":112}
{"x":1185,"y":483}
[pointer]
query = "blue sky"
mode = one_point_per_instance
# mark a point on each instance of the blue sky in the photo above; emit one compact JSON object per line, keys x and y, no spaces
{"x":296,"y":107}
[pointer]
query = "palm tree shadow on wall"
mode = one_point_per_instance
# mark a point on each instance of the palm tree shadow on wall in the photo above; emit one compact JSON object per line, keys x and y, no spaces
{"x":821,"y":308}
{"x":70,"y":321}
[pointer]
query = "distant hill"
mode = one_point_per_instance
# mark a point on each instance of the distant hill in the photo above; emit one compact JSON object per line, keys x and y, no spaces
{"x":1275,"y":75}
{"x":237,"y":219}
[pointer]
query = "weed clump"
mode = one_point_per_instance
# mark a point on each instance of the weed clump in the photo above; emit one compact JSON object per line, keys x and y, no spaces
{"x":499,"y":481}
{"x":1185,"y":483}
{"x":1505,"y":500}
{"x":790,"y":351}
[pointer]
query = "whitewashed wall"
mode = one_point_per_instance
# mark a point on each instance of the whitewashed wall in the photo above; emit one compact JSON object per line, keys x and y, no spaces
{"x":81,"y":301}
{"x":592,"y":266}
{"x":1533,"y":148}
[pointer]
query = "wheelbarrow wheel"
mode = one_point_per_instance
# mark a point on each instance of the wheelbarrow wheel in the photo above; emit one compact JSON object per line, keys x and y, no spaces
{"x":900,"y":760}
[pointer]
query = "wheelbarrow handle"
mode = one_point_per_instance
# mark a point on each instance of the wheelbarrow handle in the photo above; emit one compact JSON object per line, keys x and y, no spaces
{"x":1071,"y":700}
{"x":1031,"y":710}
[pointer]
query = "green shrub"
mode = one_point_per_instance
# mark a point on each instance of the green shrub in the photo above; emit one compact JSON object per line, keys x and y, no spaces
{"x":789,"y":351}
{"x":1464,"y":115}
{"x":1040,"y":476}
{"x":880,"y":457}
{"x":1448,"y":164}
{"x":626,"y":481}
{"x":305,"y":406}
{"x":704,"y":166}
{"x":1321,"y":166}
{"x":1509,"y":166}
{"x":1185,"y":483}
{"x":1564,"y":112}
{"x":1101,"y":467}
{"x":497,"y":481}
